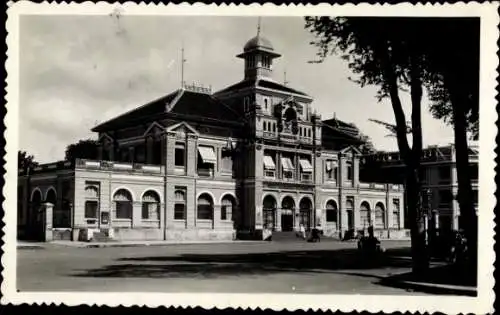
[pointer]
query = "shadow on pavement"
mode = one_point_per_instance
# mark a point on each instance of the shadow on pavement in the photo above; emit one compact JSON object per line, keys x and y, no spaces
{"x":341,"y":261}
{"x":213,"y":265}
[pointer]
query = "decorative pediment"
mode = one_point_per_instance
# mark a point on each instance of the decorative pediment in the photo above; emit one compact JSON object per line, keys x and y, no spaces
{"x":182,"y":128}
{"x":351,"y":150}
{"x":154,"y":129}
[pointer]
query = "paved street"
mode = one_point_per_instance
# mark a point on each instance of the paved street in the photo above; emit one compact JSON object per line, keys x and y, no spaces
{"x":326,"y":267}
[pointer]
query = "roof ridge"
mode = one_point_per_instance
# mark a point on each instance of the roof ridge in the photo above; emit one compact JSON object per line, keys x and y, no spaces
{"x":175,"y":100}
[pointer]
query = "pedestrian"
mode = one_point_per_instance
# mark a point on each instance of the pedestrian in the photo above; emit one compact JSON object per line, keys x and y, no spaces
{"x":302,"y":230}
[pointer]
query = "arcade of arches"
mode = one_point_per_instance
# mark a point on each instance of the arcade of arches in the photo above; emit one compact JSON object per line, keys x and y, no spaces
{"x":287,"y":217}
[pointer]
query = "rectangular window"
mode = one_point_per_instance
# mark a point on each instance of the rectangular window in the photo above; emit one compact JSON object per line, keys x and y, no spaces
{"x":180,"y":155}
{"x":227,"y":160}
{"x":349,"y":170}
{"x":91,"y":207}
{"x":180,"y":211}
{"x":223,"y":212}
{"x":444,"y":173}
{"x":445,"y":197}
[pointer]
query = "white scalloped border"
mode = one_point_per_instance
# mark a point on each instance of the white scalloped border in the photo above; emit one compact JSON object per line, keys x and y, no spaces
{"x":346,"y":303}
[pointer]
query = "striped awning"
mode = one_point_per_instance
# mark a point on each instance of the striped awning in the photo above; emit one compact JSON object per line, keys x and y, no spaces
{"x":287,"y":164}
{"x":207,"y":155}
{"x":269,"y":163}
{"x":305,"y":165}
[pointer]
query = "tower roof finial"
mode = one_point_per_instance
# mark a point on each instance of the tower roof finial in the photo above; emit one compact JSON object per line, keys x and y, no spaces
{"x":258,"y":26}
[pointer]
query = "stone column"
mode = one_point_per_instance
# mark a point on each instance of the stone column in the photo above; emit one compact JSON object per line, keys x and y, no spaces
{"x":48,"y":210}
{"x":216,"y":219}
{"x":136,"y":214}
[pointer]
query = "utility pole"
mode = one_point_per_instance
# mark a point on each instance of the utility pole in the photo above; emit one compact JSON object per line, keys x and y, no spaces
{"x":183,"y":60}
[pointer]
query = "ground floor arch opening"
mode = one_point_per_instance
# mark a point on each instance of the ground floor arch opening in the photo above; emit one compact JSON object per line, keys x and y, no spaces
{"x":287,"y":213}
{"x":269,"y":212}
{"x":305,"y":211}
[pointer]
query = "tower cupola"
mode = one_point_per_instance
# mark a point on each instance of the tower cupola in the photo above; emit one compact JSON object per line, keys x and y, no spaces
{"x":258,"y":54}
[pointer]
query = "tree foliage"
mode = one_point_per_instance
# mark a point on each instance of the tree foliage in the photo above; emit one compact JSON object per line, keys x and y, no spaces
{"x":25,"y":161}
{"x":83,"y":149}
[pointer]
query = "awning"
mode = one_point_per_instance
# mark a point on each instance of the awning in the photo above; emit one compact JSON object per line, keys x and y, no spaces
{"x":207,"y":155}
{"x":305,"y":165}
{"x":287,"y":164}
{"x":269,"y":163}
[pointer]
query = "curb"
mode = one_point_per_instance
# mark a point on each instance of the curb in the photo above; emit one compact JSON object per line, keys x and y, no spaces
{"x":433,"y":288}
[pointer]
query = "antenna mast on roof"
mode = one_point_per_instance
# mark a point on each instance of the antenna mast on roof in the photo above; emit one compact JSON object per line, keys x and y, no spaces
{"x":258,"y":26}
{"x":285,"y":82}
{"x":183,"y":61}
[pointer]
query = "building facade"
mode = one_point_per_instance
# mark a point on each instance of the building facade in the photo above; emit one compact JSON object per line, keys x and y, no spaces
{"x":244,"y":162}
{"x":438,"y":179}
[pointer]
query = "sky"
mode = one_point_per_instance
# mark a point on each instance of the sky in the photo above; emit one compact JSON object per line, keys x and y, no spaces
{"x":78,"y":71}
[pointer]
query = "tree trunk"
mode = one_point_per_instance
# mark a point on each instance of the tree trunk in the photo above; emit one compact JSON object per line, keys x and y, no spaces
{"x":464,"y":196}
{"x":420,"y":258}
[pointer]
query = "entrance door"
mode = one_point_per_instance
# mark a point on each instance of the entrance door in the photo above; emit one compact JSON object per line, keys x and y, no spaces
{"x":305,"y":206}
{"x":287,"y":213}
{"x":286,"y":222}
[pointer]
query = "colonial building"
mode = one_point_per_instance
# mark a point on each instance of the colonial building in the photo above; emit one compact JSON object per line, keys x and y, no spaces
{"x":247,"y":161}
{"x":439,"y":179}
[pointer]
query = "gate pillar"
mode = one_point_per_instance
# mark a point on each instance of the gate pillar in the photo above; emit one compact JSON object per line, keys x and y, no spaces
{"x":48,"y":209}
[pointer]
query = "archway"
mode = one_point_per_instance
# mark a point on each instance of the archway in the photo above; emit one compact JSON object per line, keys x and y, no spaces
{"x":379,"y":216}
{"x":332,"y":212}
{"x":51,"y":196}
{"x":364,"y":214}
{"x":305,"y":209}
{"x":36,"y":217}
{"x":205,"y":207}
{"x":150,"y":205}
{"x":227,"y":208}
{"x":287,"y":213}
{"x":269,"y":212}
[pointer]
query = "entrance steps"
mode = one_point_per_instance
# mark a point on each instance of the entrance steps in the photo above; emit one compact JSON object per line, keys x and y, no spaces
{"x":286,"y":237}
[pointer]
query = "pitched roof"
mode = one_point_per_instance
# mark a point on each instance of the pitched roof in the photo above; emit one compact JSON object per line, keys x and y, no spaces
{"x":261,"y":83}
{"x":342,"y":128}
{"x":183,"y":103}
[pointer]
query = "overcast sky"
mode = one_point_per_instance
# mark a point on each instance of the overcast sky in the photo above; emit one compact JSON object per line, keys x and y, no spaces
{"x":76,"y":71}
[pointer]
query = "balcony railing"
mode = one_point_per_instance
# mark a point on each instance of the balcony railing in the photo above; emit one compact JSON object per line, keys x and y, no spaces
{"x":118,"y":166}
{"x":205,"y":172}
{"x":306,"y":177}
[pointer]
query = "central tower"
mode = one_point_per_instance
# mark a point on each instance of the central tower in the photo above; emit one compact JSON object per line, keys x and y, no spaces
{"x":258,"y":54}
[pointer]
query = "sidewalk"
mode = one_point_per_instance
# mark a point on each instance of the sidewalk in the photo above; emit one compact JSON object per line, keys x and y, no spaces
{"x":439,"y":280}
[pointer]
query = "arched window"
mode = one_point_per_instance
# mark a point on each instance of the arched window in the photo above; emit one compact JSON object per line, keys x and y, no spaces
{"x":205,"y":207}
{"x":123,"y":204}
{"x":51,"y":196}
{"x":180,"y":205}
{"x":331,"y":211}
{"x":36,"y":200}
{"x":91,"y":202}
{"x":379,"y":215}
{"x":150,"y":206}
{"x":227,"y":206}
{"x":364,"y":214}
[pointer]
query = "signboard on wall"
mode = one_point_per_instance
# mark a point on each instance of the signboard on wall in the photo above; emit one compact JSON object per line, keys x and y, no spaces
{"x":104,"y":217}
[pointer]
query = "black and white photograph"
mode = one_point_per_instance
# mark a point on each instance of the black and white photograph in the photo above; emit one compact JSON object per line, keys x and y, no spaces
{"x":230,"y":154}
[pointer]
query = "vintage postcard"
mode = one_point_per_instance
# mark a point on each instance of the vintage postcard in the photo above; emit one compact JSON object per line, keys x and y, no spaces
{"x":331,"y":157}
